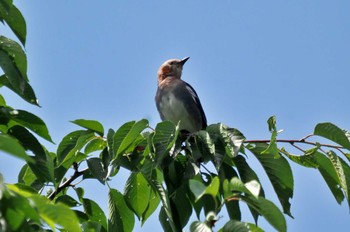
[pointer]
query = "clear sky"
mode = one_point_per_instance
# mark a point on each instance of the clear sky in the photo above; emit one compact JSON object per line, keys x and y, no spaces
{"x":249,"y":60}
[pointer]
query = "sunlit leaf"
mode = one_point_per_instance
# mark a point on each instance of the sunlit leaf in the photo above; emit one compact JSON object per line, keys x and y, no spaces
{"x":91,"y":125}
{"x":120,"y":217}
{"x":137,"y":193}
{"x":333,"y":133}
{"x":94,"y":211}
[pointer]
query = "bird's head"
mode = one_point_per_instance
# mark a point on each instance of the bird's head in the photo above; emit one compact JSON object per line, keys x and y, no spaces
{"x":171,"y":68}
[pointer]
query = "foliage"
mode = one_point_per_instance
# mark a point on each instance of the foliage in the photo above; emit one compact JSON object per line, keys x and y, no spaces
{"x":166,"y":169}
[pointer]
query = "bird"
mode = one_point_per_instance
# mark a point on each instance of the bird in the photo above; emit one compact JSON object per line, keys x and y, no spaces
{"x":176,"y":100}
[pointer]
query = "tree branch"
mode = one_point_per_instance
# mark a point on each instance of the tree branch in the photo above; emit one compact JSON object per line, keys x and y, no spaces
{"x":68,"y":182}
{"x":292,"y":141}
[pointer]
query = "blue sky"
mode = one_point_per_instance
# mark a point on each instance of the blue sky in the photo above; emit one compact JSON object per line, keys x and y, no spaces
{"x":249,"y":60}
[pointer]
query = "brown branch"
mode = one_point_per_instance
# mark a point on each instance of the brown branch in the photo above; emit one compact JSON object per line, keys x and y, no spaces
{"x":68,"y":182}
{"x":292,"y":141}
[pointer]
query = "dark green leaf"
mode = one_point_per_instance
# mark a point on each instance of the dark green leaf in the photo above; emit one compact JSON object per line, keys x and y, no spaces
{"x":247,"y":174}
{"x":226,"y":173}
{"x":181,"y":206}
{"x":120,"y":217}
{"x":17,"y":23}
{"x":95,"y":213}
{"x":97,"y":169}
{"x":110,"y":142}
{"x":205,"y":146}
{"x":13,"y":62}
{"x":27,"y":94}
{"x":5,"y":7}
{"x":32,"y":122}
{"x":268,"y":210}
{"x":333,"y":133}
{"x":67,"y":200}
{"x":279,"y":172}
{"x":13,"y":147}
{"x":91,"y":125}
{"x":27,"y":140}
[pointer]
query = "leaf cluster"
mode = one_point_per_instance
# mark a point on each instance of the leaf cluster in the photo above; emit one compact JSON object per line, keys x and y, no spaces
{"x":205,"y":173}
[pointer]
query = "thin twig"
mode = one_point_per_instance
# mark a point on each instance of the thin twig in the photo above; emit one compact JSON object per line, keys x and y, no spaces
{"x":68,"y":182}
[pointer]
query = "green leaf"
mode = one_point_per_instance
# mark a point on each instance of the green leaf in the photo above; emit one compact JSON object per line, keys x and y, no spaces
{"x":91,"y":125}
{"x":17,"y":23}
{"x":27,"y":140}
{"x":231,"y":138}
{"x":119,"y":136}
{"x":12,"y":147}
{"x":5,"y":7}
{"x":268,"y":210}
{"x":279,"y":172}
{"x":272,"y":147}
{"x":32,"y":122}
{"x":238,"y":226}
{"x":78,"y":143}
{"x":51,"y":214}
{"x":164,"y":139}
{"x":333,"y":133}
{"x":96,"y":144}
{"x":27,"y":94}
{"x":226,"y":173}
{"x":307,"y":160}
{"x":120,"y":217}
{"x":132,"y":135}
{"x":110,"y":142}
{"x":13,"y":62}
{"x":199,"y":189}
{"x":97,"y":169}
{"x":343,"y":171}
{"x":181,"y":206}
{"x":67,"y":200}
{"x":328,"y":173}
{"x":137,"y":193}
{"x":205,"y":146}
{"x":95,"y":213}
{"x":152,"y":206}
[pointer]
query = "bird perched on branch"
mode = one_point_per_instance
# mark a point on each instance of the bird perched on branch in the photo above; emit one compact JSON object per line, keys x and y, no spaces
{"x":176,"y":100}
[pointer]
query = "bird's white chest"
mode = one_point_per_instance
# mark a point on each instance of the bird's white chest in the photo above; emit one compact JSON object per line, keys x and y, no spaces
{"x":173,"y":109}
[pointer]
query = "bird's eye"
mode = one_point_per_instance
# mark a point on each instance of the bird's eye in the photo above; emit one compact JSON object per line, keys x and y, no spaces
{"x":172,"y":62}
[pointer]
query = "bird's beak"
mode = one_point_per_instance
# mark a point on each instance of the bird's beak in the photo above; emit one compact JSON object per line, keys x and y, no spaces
{"x":183,"y":61}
